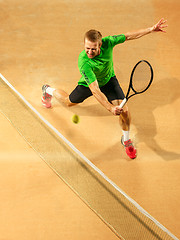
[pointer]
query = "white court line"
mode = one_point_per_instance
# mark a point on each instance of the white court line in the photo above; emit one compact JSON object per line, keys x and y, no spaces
{"x":89,"y":162}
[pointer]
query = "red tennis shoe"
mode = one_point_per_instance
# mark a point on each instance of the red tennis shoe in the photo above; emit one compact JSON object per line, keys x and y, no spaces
{"x":130,"y":149}
{"x":46,"y":98}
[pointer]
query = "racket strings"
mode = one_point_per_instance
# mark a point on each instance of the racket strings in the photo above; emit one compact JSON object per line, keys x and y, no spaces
{"x":141,"y":77}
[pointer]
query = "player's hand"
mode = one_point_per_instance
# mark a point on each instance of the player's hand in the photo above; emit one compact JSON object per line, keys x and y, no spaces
{"x":158,"y":27}
{"x":116,"y":110}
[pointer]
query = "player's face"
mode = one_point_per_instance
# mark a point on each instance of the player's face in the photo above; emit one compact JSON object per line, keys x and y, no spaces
{"x":92,"y":48}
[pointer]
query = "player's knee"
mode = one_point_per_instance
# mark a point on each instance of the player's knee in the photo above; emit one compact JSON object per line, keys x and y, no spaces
{"x":69,"y":103}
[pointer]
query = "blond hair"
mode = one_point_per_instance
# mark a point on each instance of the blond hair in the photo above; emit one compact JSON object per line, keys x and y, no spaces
{"x":93,"y":36}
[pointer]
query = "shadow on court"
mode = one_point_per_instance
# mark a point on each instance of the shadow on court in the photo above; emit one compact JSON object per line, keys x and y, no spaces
{"x":162,"y":93}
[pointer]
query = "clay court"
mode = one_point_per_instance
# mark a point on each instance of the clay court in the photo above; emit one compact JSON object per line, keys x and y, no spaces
{"x":39,"y":43}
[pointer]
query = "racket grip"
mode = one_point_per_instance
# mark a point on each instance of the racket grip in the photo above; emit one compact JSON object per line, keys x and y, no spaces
{"x":123,"y":103}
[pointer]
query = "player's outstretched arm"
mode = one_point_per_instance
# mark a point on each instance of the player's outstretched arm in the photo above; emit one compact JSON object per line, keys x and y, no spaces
{"x":158,"y":27}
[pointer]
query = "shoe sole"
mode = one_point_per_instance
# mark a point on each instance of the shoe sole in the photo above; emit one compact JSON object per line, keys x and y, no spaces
{"x":122,"y":140}
{"x":44,"y":104}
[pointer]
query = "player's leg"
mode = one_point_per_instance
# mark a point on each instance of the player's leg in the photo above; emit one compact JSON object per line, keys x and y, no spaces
{"x":125,"y":121}
{"x":78,"y":95}
{"x":115,"y":95}
{"x":125,"y":117}
{"x":63,"y":97}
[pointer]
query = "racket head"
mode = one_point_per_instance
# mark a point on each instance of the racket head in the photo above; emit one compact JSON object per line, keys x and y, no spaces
{"x":141,"y":77}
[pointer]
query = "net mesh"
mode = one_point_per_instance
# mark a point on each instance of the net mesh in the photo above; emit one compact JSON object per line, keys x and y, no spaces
{"x":121,"y":215}
{"x":141,"y":77}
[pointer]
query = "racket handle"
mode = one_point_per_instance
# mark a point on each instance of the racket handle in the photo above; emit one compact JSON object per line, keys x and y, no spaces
{"x":123,"y":103}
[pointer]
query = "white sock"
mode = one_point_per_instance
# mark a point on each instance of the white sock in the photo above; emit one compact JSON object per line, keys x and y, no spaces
{"x":50,"y":90}
{"x":126,"y":135}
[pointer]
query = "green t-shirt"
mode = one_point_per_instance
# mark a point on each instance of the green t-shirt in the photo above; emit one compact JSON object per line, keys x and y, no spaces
{"x":99,"y":68}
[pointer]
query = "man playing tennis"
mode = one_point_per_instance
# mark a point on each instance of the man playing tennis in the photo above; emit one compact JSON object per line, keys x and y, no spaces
{"x":98,"y":78}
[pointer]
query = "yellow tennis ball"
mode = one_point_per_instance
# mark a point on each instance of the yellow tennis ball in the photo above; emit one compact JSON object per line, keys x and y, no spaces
{"x":75,"y":119}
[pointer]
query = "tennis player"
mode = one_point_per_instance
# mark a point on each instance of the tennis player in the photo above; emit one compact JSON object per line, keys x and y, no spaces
{"x":98,"y":78}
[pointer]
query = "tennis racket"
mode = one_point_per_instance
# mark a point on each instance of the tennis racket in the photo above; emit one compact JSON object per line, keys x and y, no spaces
{"x":140,"y":80}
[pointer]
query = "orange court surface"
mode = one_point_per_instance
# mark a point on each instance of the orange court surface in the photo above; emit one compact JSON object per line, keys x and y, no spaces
{"x":40,"y":42}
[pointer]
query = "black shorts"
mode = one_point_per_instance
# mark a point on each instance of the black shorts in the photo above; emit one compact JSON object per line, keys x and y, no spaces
{"x":112,"y":90}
